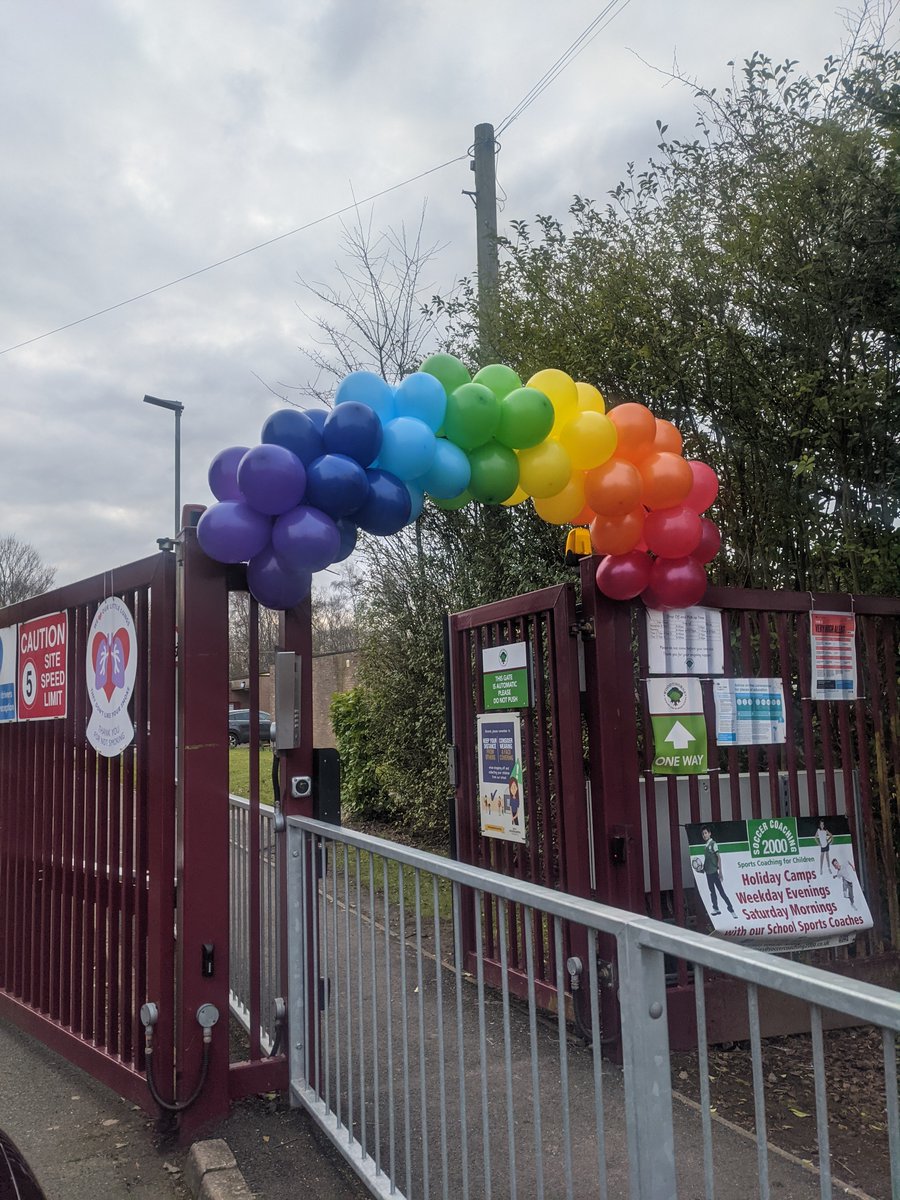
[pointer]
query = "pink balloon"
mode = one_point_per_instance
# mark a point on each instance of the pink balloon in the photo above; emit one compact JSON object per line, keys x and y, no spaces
{"x":678,"y":582}
{"x":623,"y":576}
{"x":710,"y":542}
{"x":705,"y":489}
{"x":672,"y":532}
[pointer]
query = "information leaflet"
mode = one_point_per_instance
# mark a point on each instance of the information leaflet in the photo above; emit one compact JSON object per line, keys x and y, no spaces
{"x":779,"y":883}
{"x":833,"y":653}
{"x":685,"y":641}
{"x":500,"y":777}
{"x":749,"y":712}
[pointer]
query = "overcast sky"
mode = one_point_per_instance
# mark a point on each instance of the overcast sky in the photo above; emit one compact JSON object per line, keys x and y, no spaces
{"x":144,"y":139}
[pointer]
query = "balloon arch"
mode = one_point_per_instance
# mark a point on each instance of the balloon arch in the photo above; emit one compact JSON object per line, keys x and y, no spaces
{"x":294,"y":504}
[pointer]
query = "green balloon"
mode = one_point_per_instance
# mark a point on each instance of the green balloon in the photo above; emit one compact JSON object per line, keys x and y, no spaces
{"x":459,"y":501}
{"x":526,"y":417}
{"x":449,"y":370}
{"x":500,"y":379}
{"x":473,"y":412}
{"x":495,"y":473}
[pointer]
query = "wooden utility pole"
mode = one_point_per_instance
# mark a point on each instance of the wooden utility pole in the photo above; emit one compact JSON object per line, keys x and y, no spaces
{"x":484,"y":166}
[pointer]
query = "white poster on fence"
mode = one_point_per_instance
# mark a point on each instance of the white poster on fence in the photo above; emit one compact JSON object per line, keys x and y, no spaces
{"x":685,"y":641}
{"x":779,"y":883}
{"x":110,"y":668}
{"x":749,"y":712}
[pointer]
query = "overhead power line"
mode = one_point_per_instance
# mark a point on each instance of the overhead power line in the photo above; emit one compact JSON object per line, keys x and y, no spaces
{"x":568,"y":56}
{"x":231,"y":257}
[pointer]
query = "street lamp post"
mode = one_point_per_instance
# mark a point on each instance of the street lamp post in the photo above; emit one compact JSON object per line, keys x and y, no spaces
{"x":177,"y":408}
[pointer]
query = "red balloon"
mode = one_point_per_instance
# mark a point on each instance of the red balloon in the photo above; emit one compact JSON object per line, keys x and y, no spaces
{"x":672,"y":532}
{"x":651,"y":599}
{"x":710,"y":542}
{"x":678,"y":582}
{"x":624,"y":576}
{"x":705,"y":489}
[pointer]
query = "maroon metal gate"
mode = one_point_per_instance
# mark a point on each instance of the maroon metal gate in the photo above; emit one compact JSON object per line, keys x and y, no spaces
{"x":601,"y":825}
{"x":114,"y":872}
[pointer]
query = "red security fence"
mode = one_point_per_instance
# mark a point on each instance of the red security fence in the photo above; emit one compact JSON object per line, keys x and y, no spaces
{"x":601,"y":825}
{"x":115,"y":871}
{"x":87,"y":845}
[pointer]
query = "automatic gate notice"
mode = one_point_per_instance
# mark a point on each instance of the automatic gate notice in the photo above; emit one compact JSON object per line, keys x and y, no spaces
{"x":43,"y":667}
{"x":8,"y":638}
{"x":500,"y":790}
{"x":505,"y":670}
{"x":833,"y":652}
{"x":780,"y":883}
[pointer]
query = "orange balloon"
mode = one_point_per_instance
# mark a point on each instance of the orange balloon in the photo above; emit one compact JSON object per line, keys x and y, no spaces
{"x":585,"y":517}
{"x":618,"y":535}
{"x":636,"y":426}
{"x":667,"y":479}
{"x":667,"y":437}
{"x":613,"y":489}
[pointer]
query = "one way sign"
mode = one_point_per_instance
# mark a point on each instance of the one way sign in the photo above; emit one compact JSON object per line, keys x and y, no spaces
{"x":679,"y":726}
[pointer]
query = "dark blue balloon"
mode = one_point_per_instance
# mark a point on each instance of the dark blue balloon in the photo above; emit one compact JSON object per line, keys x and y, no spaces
{"x":318,"y":416}
{"x":336,"y":484}
{"x":295,"y":431}
{"x":305,"y":539}
{"x":388,"y":506}
{"x":348,"y":532}
{"x":355,"y":430}
{"x":273,"y":585}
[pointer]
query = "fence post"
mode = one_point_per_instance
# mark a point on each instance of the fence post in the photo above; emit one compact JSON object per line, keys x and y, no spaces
{"x":202,"y":869}
{"x":648,"y":1077}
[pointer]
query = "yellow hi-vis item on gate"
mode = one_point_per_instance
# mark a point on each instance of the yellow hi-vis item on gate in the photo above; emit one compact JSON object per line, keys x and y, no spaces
{"x":578,"y":544}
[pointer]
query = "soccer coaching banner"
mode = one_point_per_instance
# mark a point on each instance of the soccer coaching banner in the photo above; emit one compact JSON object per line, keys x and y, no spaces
{"x":779,"y":883}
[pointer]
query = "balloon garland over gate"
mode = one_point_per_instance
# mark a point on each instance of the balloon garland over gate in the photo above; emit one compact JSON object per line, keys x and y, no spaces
{"x":293,"y":505}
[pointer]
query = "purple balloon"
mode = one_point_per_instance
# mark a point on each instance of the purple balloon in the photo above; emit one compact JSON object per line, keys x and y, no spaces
{"x":388,"y":506}
{"x":223,"y":473}
{"x":295,"y":431}
{"x":355,"y":430}
{"x":305,"y":539}
{"x":336,"y":484}
{"x":273,"y":585}
{"x":348,"y":532}
{"x":231,"y":531}
{"x":272,"y":479}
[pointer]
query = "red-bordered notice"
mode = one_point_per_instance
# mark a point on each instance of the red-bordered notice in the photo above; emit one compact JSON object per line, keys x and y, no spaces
{"x":43,"y":667}
{"x":833,"y":651}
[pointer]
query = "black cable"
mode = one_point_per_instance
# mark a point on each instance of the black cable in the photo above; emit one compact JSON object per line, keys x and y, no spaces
{"x":178,"y":1106}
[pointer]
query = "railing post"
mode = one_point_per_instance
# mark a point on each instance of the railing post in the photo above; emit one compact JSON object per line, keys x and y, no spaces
{"x":648,"y":1078}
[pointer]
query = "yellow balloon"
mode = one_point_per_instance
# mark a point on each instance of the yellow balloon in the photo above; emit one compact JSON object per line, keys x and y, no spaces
{"x":544,"y":470}
{"x":516,"y":498}
{"x":590,"y":399}
{"x":560,"y":390}
{"x":589,"y":439}
{"x":564,"y":507}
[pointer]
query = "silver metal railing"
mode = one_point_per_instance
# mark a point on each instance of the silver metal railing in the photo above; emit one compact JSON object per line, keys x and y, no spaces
{"x":269,"y":919}
{"x":432,"y":1083}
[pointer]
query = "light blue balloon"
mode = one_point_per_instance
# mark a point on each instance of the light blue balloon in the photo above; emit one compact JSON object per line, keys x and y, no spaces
{"x":449,"y":473}
{"x":422,"y":396}
{"x":407,"y":448}
{"x":417,"y":497}
{"x":364,"y":387}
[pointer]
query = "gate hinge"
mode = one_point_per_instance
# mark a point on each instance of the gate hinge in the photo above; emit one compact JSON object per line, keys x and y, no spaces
{"x":583,"y":629}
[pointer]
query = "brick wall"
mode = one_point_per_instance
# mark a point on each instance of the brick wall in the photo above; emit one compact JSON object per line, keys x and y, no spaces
{"x":331,"y":673}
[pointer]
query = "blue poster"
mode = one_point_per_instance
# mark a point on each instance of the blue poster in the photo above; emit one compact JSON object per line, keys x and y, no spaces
{"x":500,"y":777}
{"x":8,"y":673}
